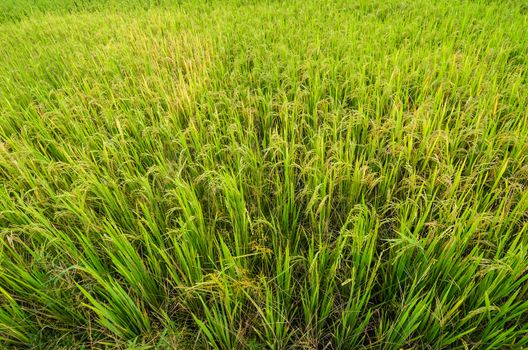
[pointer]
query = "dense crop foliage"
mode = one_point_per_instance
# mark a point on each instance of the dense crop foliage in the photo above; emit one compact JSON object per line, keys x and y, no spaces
{"x":243,"y":175}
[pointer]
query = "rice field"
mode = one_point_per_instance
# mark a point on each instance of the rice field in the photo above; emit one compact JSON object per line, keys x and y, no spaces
{"x":263,"y":174}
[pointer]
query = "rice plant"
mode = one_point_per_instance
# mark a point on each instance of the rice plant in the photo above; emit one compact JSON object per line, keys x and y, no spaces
{"x":264,"y":174}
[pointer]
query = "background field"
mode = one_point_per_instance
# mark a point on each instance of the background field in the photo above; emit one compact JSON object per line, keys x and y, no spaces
{"x":264,"y":174}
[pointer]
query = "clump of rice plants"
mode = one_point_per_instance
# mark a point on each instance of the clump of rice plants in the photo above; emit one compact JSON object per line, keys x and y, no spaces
{"x":264,"y":174}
